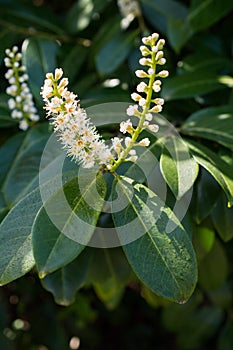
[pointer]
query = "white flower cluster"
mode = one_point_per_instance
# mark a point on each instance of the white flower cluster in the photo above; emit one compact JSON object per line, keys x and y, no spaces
{"x":152,"y":56}
{"x":129,"y":10}
{"x":21,"y":102}
{"x":76,"y":132}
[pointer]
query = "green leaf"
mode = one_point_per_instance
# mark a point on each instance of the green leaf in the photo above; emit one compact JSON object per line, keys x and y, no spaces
{"x":155,"y":243}
{"x":65,"y":282}
{"x":5,"y":117}
{"x":21,"y":166}
{"x":222,"y":217}
{"x":204,"y":13}
{"x":16,"y":257}
{"x":178,"y":31}
{"x":71,"y":221}
{"x":109,"y":274}
{"x":178,"y":168}
{"x":218,"y":168}
{"x":170,"y":17}
{"x":213,"y":123}
{"x":213,"y":269}
{"x":39,"y":57}
{"x":203,"y":241}
{"x":114,"y":52}
{"x":191,"y":84}
{"x":205,"y":195}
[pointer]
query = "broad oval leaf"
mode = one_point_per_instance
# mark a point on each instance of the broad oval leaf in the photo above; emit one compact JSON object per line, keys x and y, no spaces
{"x":178,"y":168}
{"x":164,"y":261}
{"x":16,"y":257}
{"x":65,"y":282}
{"x":222,"y":217}
{"x":205,"y":194}
{"x":71,"y":221}
{"x":214,"y":123}
{"x":217,"y":167}
{"x":20,"y":162}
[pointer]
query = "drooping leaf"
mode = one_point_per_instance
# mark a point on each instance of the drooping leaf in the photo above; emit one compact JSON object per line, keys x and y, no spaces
{"x":222,"y":217}
{"x":178,"y":168}
{"x":204,"y":13}
{"x":213,"y":123}
{"x":71,"y":220}
{"x":155,"y":243}
{"x":65,"y":282}
{"x":218,"y":168}
{"x":205,"y":195}
{"x":16,"y":257}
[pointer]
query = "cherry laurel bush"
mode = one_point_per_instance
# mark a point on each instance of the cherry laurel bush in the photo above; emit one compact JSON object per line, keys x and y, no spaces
{"x":79,"y":136}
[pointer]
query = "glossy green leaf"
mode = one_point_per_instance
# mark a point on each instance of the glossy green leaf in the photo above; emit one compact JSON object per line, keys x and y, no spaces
{"x":206,"y":59}
{"x":5,"y":117}
{"x":21,"y":159}
{"x":222,"y":217}
{"x":39,"y":57}
{"x":16,"y":257}
{"x":155,"y":243}
{"x":213,"y":269}
{"x":179,"y":31}
{"x":71,"y":221}
{"x":178,"y":168}
{"x":204,"y":13}
{"x":65,"y":282}
{"x":213,"y":123}
{"x":205,"y":195}
{"x":190,"y":85}
{"x":114,"y":52}
{"x":218,"y":168}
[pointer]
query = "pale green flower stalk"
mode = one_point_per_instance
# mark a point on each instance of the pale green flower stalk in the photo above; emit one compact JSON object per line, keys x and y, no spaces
{"x":146,"y":103}
{"x":21,"y":102}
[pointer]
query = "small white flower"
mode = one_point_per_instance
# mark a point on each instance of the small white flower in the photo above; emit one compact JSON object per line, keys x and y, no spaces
{"x":142,"y":87}
{"x":153,"y":127}
{"x":149,"y":116}
{"x":163,"y":74}
{"x":125,"y":126}
{"x":127,"y":141}
{"x":151,"y":71}
{"x":142,"y":102}
{"x":141,"y":74}
{"x":132,"y":110}
{"x":144,"y":142}
{"x":23,"y":125}
{"x":135,"y":96}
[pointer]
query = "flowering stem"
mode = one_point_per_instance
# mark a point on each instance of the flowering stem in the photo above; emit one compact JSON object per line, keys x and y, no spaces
{"x":139,"y":128}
